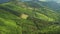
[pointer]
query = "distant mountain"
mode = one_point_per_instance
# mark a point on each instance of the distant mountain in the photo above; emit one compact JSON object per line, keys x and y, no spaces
{"x":51,"y":4}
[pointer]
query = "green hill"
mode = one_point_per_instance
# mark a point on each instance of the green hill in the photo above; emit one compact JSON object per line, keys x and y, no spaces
{"x":24,"y":18}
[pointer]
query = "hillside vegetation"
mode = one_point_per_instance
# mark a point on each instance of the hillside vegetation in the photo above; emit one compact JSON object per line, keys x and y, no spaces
{"x":28,"y":18}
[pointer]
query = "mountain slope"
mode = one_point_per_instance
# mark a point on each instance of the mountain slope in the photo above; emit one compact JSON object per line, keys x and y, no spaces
{"x":7,"y":26}
{"x":38,"y":20}
{"x":42,"y":9}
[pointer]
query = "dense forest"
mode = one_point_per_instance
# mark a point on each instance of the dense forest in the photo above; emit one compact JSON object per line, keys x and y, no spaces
{"x":28,"y":17}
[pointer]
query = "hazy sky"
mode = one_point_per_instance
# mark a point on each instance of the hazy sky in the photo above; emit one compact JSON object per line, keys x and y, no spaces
{"x":42,"y":0}
{"x":58,"y":1}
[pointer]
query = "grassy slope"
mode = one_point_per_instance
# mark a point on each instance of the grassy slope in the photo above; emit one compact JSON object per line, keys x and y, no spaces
{"x":41,"y":23}
{"x":8,"y":24}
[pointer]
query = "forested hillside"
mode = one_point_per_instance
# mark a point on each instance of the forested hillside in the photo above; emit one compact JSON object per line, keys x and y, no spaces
{"x":29,"y":17}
